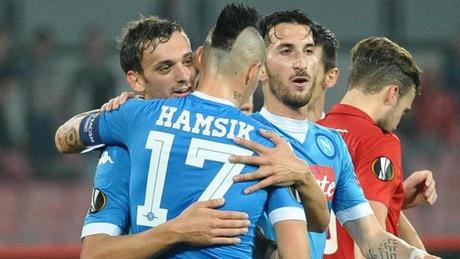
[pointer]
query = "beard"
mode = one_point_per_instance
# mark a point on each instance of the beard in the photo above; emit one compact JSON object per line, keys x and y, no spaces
{"x":281,"y":91}
{"x":386,"y":122}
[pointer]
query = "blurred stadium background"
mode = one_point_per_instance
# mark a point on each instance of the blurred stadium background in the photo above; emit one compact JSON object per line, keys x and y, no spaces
{"x":58,"y":58}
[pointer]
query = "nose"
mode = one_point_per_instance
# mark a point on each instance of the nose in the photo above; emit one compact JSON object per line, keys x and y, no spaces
{"x":300,"y":62}
{"x":183,"y":74}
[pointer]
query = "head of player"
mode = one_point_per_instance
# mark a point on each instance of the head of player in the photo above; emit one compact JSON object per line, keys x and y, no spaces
{"x":232,"y":55}
{"x":327,"y":72}
{"x":157,"y":58}
{"x":290,"y":68}
{"x":384,"y":78}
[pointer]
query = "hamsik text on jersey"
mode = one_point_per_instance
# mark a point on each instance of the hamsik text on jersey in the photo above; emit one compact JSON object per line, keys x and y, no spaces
{"x":179,"y":151}
{"x":325,"y":152}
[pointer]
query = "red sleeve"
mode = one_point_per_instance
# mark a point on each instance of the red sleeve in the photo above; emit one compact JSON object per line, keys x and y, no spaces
{"x":379,"y":168}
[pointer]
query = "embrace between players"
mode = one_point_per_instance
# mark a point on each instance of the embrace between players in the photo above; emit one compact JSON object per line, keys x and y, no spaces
{"x":185,"y":174}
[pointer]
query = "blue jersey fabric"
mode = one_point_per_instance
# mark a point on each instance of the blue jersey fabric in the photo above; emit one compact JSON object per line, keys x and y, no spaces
{"x":327,"y":155}
{"x":109,"y":210}
{"x":179,"y":151}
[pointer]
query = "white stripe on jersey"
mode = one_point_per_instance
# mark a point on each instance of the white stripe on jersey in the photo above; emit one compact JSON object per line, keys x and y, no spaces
{"x":100,"y":228}
{"x":355,"y":212}
{"x":286,"y":213}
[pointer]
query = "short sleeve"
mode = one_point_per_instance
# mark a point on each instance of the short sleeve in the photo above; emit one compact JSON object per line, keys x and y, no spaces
{"x":109,"y":208}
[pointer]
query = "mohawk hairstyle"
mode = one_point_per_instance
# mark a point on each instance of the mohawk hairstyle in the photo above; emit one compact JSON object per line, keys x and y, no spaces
{"x":292,"y":16}
{"x":232,"y":20}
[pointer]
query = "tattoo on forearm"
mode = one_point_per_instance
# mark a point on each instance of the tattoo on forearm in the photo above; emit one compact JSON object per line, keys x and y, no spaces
{"x":69,"y":140}
{"x":385,"y":250}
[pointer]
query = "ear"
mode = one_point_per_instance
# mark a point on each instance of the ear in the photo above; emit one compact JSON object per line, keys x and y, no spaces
{"x":263,"y":74}
{"x":197,"y":57}
{"x":253,"y":73}
{"x":391,"y":95}
{"x":331,"y":77}
{"x":135,"y":81}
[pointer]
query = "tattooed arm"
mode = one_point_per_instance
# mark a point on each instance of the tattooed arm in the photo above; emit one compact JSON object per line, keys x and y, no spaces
{"x":67,"y":138}
{"x":375,"y":243}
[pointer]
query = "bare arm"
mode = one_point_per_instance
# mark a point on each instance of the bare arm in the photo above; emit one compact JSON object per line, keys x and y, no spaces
{"x":67,"y":138}
{"x":198,"y":225}
{"x":374,"y":242}
{"x":292,"y":240}
{"x":279,"y":166}
{"x":408,"y":233}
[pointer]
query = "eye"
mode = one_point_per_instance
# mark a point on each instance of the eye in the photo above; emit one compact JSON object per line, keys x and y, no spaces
{"x":164,"y":69}
{"x":285,"y":51}
{"x":309,"y":51}
{"x":188,"y":62}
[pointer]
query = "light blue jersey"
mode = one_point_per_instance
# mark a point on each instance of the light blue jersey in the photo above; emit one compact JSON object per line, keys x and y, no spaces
{"x":109,"y":209}
{"x":179,"y":151}
{"x":327,"y":155}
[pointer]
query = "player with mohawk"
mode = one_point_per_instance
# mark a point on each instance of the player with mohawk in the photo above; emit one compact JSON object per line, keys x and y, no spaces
{"x":179,"y":148}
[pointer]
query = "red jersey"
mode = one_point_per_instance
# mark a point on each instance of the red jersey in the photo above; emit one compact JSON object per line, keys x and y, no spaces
{"x":376,"y":156}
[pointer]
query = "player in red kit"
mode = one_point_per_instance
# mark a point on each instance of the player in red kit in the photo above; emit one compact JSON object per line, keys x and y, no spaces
{"x":383,"y":82}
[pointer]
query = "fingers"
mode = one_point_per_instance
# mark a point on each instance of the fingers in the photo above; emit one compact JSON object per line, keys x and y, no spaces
{"x":232,"y":215}
{"x":225,"y":241}
{"x":258,"y":148}
{"x":211,"y":204}
{"x":249,"y":160}
{"x":259,"y":174}
{"x":124,"y":97}
{"x":273,"y":137}
{"x":260,"y":185}
{"x":228,"y":232}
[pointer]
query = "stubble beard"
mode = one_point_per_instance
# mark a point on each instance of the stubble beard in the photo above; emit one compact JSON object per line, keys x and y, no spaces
{"x":281,"y":92}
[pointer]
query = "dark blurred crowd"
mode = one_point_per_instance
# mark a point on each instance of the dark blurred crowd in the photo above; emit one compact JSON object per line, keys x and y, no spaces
{"x":42,"y":84}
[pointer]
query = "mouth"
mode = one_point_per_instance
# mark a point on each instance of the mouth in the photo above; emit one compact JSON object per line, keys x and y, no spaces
{"x":182,"y":91}
{"x":300,"y":81}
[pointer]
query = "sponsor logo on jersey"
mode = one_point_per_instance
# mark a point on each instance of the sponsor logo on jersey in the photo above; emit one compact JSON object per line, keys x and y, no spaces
{"x":325,"y":145}
{"x":105,"y":158}
{"x":326,"y":179}
{"x":98,"y":201}
{"x":383,"y":169}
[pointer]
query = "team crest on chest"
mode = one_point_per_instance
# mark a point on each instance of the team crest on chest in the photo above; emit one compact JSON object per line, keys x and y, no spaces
{"x":325,"y":145}
{"x":383,"y":169}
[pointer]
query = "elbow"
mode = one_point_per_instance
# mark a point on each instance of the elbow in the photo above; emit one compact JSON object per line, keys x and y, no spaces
{"x":59,"y":141}
{"x":320,"y":225}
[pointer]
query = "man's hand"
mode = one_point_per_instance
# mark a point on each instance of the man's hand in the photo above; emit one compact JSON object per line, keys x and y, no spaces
{"x":118,"y":101}
{"x":202,"y":225}
{"x":418,"y":188}
{"x":278,"y":166}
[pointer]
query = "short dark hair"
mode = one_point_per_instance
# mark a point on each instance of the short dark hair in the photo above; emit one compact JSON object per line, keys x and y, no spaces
{"x":139,"y":35}
{"x":292,"y":16}
{"x":326,"y":39}
{"x":378,"y":61}
{"x":232,"y":20}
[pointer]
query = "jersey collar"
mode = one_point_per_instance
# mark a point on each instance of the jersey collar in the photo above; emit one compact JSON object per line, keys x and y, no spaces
{"x":350,"y":110}
{"x":202,"y":95}
{"x":294,"y":128}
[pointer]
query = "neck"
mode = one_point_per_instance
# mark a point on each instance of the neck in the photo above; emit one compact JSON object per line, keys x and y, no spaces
{"x":315,"y":112}
{"x":368,"y":103}
{"x":221,"y":87}
{"x":277,"y":107}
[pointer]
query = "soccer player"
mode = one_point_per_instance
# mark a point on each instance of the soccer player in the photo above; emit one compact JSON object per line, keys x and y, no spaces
{"x":166,"y":67}
{"x":383,"y":82}
{"x":326,"y":46}
{"x":288,"y":86}
{"x":176,"y":144}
